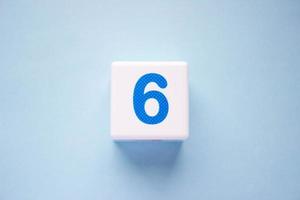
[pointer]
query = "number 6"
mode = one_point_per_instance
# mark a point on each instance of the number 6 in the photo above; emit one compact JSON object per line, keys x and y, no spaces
{"x":140,"y":98}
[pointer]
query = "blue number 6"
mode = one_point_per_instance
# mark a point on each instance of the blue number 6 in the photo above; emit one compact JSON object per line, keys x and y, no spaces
{"x":140,"y":98}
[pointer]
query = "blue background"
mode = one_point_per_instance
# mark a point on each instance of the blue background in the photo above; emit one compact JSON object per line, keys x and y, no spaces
{"x":244,"y":61}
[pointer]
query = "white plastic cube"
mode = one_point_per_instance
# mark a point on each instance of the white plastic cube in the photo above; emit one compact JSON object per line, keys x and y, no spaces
{"x":149,"y":101}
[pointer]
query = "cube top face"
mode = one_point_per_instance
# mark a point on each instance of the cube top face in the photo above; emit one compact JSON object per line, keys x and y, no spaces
{"x":149,"y":101}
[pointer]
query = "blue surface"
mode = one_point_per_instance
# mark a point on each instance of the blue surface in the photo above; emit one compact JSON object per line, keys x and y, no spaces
{"x":244,"y":61}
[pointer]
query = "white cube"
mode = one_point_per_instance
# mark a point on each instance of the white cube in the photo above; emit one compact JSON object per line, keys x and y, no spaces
{"x":149,"y":101}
